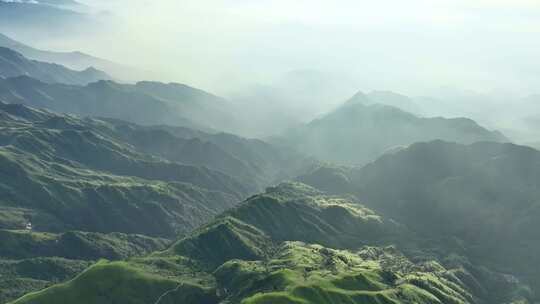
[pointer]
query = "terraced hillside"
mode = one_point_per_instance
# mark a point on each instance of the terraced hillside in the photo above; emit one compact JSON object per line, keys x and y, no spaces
{"x":240,"y":258}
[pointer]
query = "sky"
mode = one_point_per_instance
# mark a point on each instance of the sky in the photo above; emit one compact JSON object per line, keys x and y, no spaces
{"x":409,"y":46}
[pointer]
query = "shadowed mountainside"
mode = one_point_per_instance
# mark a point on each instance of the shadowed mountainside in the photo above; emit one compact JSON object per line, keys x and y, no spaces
{"x":483,"y":196}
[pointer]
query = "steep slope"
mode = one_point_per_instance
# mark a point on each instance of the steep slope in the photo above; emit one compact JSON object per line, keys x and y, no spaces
{"x":14,"y":64}
{"x":483,"y":196}
{"x":357,"y":133}
{"x":233,"y":261}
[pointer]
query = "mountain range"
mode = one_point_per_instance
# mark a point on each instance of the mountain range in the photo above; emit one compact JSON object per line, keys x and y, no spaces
{"x":75,"y":60}
{"x":116,"y":161}
{"x":41,"y":17}
{"x":13,"y":64}
{"x":482,"y":196}
{"x":107,"y":99}
{"x":142,"y":193}
{"x":434,"y":222}
{"x":360,"y":131}
{"x":123,"y":189}
{"x":291,"y":244}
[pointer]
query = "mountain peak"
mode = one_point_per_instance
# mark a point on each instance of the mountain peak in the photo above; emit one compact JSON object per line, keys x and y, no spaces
{"x":359,"y":97}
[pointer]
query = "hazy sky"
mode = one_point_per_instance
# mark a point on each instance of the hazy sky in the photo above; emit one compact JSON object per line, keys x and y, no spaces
{"x":410,"y":46}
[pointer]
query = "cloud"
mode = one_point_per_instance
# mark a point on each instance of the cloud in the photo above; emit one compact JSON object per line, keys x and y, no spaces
{"x":387,"y":44}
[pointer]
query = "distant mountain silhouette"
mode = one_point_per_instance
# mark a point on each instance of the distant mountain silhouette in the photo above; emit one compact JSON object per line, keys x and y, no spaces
{"x":13,"y":64}
{"x":41,"y":16}
{"x":149,"y":103}
{"x":360,"y":131}
{"x":73,"y":60}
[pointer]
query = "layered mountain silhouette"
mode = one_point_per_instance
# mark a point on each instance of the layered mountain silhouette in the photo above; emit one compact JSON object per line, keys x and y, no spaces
{"x":42,"y":148}
{"x":63,"y":173}
{"x":360,"y":131}
{"x":13,"y":64}
{"x":140,"y":193}
{"x":148,"y":103}
{"x":126,"y":187}
{"x":73,"y":60}
{"x":435,"y":222}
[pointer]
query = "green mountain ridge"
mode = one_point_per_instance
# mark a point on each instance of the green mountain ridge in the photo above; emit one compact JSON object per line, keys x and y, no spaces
{"x":485,"y":195}
{"x":124,"y":186}
{"x":63,"y":173}
{"x":231,"y":261}
{"x":35,"y":260}
{"x":24,"y":244}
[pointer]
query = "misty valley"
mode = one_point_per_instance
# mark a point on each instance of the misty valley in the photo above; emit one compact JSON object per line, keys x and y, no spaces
{"x":130,"y":182}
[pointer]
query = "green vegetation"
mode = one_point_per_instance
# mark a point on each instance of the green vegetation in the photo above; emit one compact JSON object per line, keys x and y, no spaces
{"x":95,"y":188}
{"x":19,"y":277}
{"x":24,"y":244}
{"x":31,"y":261}
{"x":232,"y":261}
{"x":479,"y":200}
{"x":443,"y":223}
{"x":107,"y":282}
{"x":63,"y":173}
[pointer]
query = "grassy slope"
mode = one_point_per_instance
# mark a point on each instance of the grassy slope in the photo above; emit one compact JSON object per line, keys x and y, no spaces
{"x":22,"y":244}
{"x":30,"y":261}
{"x":107,"y":282}
{"x":63,"y":173}
{"x":233,"y":261}
{"x":482,"y":198}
